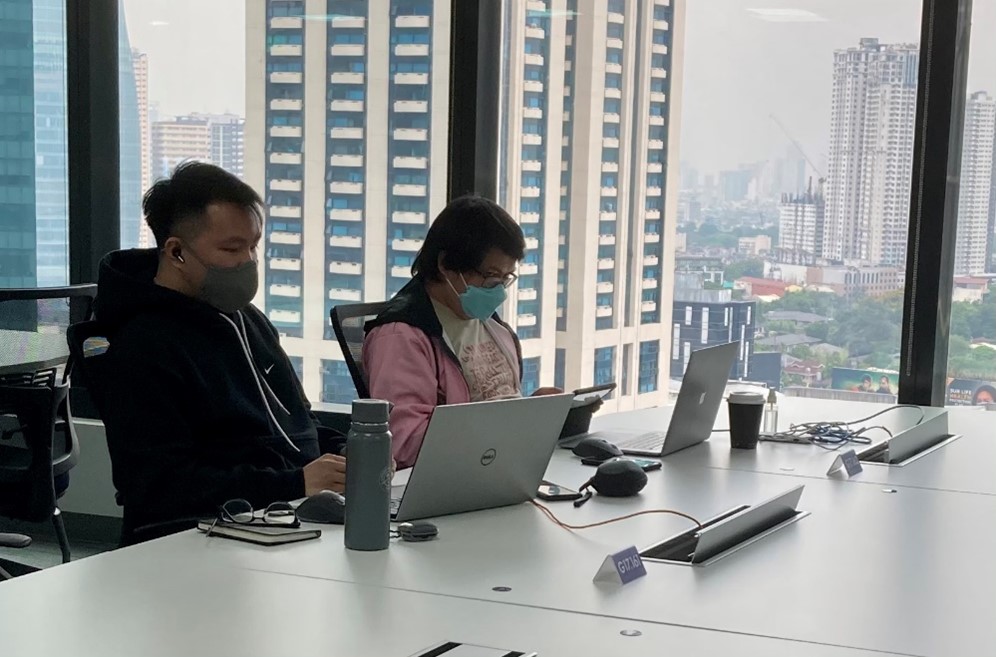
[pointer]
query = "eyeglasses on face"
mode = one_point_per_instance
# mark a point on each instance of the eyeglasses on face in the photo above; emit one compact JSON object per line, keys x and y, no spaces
{"x":493,"y":280}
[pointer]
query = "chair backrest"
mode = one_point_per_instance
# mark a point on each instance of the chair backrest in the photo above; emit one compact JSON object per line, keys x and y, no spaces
{"x":348,"y":321}
{"x":33,"y":352}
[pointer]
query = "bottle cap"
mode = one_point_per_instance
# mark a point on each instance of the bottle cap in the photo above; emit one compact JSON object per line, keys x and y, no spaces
{"x":371,"y":411}
{"x":772,"y":398}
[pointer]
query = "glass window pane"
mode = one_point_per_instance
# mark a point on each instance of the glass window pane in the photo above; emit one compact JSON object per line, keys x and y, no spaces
{"x":344,"y":135}
{"x":793,"y":201}
{"x":34,"y":239}
{"x":972,"y":346}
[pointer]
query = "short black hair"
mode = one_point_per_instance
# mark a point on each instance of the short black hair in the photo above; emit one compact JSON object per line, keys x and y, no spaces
{"x":176,"y":203}
{"x":463,"y":233}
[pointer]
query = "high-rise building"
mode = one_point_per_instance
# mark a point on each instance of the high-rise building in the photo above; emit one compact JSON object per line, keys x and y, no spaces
{"x":140,"y":63}
{"x":228,"y":143}
{"x":214,"y":138}
{"x":871,"y":152}
{"x":18,"y":230}
{"x":346,"y":136}
{"x":976,"y":183}
{"x":801,"y":223}
{"x":179,"y":139}
{"x":130,"y":139}
{"x":590,"y":168}
{"x":706,"y":318}
{"x":34,"y":230}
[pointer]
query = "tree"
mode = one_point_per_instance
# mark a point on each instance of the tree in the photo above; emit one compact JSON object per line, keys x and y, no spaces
{"x":753,"y":267}
{"x":818,"y":330}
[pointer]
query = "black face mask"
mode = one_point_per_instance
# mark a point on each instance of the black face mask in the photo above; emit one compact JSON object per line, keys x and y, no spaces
{"x":228,"y":288}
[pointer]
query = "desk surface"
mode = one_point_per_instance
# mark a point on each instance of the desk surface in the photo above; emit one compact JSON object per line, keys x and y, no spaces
{"x":29,"y":351}
{"x":117,"y":605}
{"x":966,"y":465}
{"x":867,"y":569}
{"x":907,"y":572}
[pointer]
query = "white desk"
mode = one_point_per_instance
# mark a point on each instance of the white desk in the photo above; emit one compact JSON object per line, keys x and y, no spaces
{"x":866,"y":570}
{"x":119,"y":605}
{"x":909,"y":572}
{"x":30,"y":351}
{"x":967,"y":464}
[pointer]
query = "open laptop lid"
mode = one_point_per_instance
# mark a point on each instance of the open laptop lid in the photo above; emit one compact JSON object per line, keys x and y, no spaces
{"x":700,"y":396}
{"x":750,"y":522}
{"x":483,"y":455}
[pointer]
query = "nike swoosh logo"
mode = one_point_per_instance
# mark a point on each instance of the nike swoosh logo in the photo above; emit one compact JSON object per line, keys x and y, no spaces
{"x":267,"y":370}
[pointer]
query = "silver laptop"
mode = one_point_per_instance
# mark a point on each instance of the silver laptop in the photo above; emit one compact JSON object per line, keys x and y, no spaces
{"x":695,"y":409}
{"x":481,"y":456}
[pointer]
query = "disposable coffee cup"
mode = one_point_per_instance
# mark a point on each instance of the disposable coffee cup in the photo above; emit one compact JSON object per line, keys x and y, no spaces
{"x":746,"y":409}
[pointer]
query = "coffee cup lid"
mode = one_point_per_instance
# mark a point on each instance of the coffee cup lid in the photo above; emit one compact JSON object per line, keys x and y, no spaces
{"x":751,"y":398}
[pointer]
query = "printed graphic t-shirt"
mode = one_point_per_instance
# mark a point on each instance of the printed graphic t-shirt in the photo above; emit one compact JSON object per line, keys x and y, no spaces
{"x":485,"y":364}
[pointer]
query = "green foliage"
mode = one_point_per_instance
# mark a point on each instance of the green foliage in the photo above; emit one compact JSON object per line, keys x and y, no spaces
{"x":753,"y":267}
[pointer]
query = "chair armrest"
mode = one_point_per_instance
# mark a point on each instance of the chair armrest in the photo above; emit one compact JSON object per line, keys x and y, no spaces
{"x":330,"y":440}
{"x":14,"y":540}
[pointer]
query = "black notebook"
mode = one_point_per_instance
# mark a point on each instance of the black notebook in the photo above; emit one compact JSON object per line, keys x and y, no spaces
{"x":259,"y":534}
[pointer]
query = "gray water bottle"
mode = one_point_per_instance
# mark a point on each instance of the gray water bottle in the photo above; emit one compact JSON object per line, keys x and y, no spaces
{"x":368,"y":476}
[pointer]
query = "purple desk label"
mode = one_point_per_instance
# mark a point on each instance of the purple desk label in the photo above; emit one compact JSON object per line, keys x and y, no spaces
{"x":847,"y":460}
{"x":622,"y":567}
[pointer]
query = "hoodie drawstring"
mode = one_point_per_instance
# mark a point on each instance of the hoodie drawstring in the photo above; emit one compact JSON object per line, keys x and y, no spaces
{"x":245,"y":334}
{"x":259,"y":386}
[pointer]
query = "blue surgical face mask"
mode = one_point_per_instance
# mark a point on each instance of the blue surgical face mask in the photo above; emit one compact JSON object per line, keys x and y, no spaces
{"x":479,"y":302}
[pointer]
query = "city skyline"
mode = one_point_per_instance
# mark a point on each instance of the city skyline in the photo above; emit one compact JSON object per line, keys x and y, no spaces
{"x":726,"y":109}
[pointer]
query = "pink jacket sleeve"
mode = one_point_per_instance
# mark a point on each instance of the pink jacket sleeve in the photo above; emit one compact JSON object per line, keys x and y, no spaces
{"x":399,"y":363}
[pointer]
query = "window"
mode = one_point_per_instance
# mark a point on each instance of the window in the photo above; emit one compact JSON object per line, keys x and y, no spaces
{"x":605,"y":365}
{"x":34,"y":231}
{"x":971,"y":362}
{"x":649,"y":354}
{"x":313,"y":157}
{"x":773,"y":212}
{"x":530,"y":375}
{"x":559,"y":365}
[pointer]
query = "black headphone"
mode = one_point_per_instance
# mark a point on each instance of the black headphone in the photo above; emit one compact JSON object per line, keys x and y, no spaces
{"x":617,"y":477}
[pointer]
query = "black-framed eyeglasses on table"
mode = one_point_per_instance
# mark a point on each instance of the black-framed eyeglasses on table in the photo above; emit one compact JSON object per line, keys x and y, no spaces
{"x":240,"y":512}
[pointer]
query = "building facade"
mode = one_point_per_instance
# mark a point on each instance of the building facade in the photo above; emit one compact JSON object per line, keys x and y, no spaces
{"x":706,"y":318}
{"x":974,"y":190}
{"x":346,"y":136}
{"x":871,"y":152}
{"x":801,"y":222}
{"x":590,"y":168}
{"x":34,"y":245}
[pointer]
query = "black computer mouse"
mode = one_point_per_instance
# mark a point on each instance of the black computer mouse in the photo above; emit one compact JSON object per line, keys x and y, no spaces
{"x":596,"y":448}
{"x":619,"y":478}
{"x":325,"y":507}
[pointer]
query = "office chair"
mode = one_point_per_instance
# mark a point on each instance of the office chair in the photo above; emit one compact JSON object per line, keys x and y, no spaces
{"x":38,"y":444}
{"x":348,"y":321}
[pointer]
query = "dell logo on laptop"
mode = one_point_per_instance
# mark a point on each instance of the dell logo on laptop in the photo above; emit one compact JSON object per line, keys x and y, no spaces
{"x":488,"y":457}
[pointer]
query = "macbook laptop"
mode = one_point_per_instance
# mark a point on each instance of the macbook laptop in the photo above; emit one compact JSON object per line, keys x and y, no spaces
{"x":481,"y":456}
{"x":695,"y":410}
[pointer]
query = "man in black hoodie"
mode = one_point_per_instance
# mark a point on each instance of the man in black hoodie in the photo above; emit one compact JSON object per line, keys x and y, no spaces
{"x":206,"y":405}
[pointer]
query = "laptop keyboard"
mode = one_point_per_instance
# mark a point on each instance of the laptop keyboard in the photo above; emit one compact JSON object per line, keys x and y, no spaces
{"x":651,"y":441}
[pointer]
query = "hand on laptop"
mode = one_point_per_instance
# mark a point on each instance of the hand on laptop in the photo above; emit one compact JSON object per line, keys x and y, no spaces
{"x":327,"y":472}
{"x":548,"y":390}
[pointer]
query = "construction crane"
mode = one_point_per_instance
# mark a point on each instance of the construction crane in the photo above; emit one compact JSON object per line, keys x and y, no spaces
{"x":787,"y":134}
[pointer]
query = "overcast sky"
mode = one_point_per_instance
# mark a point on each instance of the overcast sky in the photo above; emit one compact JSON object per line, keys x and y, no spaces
{"x":744,"y":60}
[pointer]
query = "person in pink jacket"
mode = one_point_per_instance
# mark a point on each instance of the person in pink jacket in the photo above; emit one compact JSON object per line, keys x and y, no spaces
{"x":440,"y":340}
